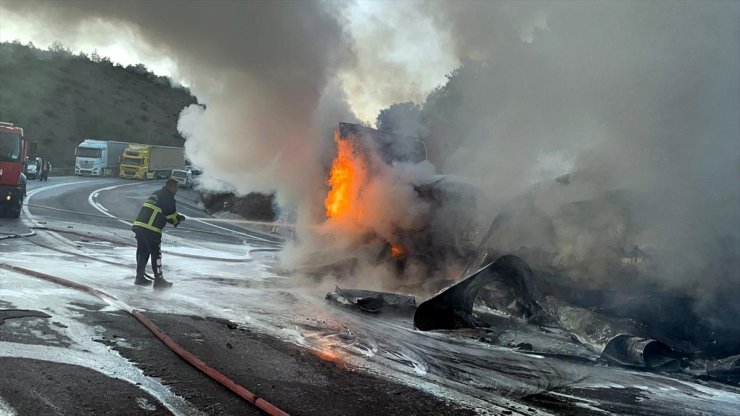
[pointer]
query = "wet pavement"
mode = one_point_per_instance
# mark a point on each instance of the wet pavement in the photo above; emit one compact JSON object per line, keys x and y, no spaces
{"x":512,"y":367}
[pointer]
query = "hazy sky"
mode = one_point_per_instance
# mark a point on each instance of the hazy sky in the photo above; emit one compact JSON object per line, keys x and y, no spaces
{"x":392,"y":41}
{"x":117,"y":41}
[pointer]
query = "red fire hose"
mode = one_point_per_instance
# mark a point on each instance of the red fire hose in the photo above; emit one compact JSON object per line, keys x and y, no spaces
{"x":245,"y":394}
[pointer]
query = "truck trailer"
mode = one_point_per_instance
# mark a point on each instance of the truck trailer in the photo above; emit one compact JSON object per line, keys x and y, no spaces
{"x":99,"y":157}
{"x":151,"y":162}
{"x":13,"y":150}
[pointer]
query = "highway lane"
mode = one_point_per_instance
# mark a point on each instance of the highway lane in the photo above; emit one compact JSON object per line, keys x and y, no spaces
{"x":70,"y":194}
{"x":98,"y":202}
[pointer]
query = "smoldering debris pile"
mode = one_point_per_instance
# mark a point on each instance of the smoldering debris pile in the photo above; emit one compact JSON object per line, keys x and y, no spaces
{"x":253,"y":206}
{"x":624,"y":342}
{"x":372,"y":301}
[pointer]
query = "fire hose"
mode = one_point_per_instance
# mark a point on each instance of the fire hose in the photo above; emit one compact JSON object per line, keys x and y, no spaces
{"x":7,"y":236}
{"x":219,"y":377}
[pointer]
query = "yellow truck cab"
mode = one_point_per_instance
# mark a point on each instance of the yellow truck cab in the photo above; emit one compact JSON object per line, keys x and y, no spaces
{"x":144,"y":162}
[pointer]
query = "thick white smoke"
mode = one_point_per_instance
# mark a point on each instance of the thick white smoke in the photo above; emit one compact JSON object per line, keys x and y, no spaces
{"x":642,"y":98}
{"x":263,"y":72}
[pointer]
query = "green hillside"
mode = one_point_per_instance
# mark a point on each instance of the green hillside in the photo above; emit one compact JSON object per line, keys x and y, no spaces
{"x":61,"y":99}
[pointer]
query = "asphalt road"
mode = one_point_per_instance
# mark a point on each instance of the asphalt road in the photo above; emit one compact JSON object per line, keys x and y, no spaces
{"x":66,"y":352}
{"x":99,"y":201}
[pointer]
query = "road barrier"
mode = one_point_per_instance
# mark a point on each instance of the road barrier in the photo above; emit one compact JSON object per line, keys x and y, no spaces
{"x":61,"y":171}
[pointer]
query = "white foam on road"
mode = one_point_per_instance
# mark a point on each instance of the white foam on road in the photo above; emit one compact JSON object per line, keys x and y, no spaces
{"x":113,"y":366}
{"x":84,"y":351}
{"x":6,"y":409}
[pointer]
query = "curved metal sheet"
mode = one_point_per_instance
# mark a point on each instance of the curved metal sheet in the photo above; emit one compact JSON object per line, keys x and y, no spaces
{"x":453,"y":307}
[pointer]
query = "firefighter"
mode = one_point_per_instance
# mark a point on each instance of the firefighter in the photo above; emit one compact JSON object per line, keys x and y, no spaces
{"x":45,"y":171}
{"x":158,"y":210}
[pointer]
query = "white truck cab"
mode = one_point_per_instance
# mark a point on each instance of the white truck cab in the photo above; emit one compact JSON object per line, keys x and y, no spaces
{"x":90,"y":156}
{"x":183,"y":177}
{"x":98,"y":157}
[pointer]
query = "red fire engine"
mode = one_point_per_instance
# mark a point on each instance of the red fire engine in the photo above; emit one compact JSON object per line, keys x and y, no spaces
{"x":13,"y":148}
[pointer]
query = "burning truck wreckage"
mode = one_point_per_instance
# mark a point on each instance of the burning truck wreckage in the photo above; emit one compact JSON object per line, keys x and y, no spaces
{"x":439,"y":253}
{"x":492,"y":207}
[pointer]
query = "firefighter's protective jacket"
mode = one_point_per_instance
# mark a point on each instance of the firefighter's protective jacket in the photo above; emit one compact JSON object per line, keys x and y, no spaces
{"x":158,"y":210}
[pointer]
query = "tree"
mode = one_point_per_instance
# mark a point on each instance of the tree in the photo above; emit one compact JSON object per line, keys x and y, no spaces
{"x":95,"y":57}
{"x":58,"y":48}
{"x":140,"y":69}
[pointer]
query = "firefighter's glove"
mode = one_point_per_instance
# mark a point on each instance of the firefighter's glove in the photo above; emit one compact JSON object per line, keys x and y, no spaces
{"x":180,"y":218}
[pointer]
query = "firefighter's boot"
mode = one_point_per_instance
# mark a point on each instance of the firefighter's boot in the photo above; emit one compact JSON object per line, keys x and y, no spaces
{"x":161,"y":283}
{"x":141,"y":280}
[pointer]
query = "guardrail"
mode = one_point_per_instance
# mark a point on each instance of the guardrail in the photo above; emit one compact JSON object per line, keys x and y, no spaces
{"x":59,"y":172}
{"x":62,"y":172}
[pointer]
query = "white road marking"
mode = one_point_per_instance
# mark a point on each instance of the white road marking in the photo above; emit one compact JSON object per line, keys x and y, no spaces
{"x":95,"y":204}
{"x":33,"y":192}
{"x":31,"y":221}
{"x":91,"y":199}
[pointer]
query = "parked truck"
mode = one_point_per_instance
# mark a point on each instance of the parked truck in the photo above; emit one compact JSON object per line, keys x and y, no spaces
{"x":13,"y":151}
{"x":151,"y":162}
{"x":99,"y":157}
{"x":34,"y":166}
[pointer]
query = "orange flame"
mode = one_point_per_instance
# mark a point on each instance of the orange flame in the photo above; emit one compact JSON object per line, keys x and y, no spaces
{"x":397,"y":251}
{"x":348,"y":175}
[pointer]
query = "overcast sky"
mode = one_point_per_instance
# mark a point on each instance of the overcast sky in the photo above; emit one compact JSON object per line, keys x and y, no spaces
{"x":395,"y":36}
